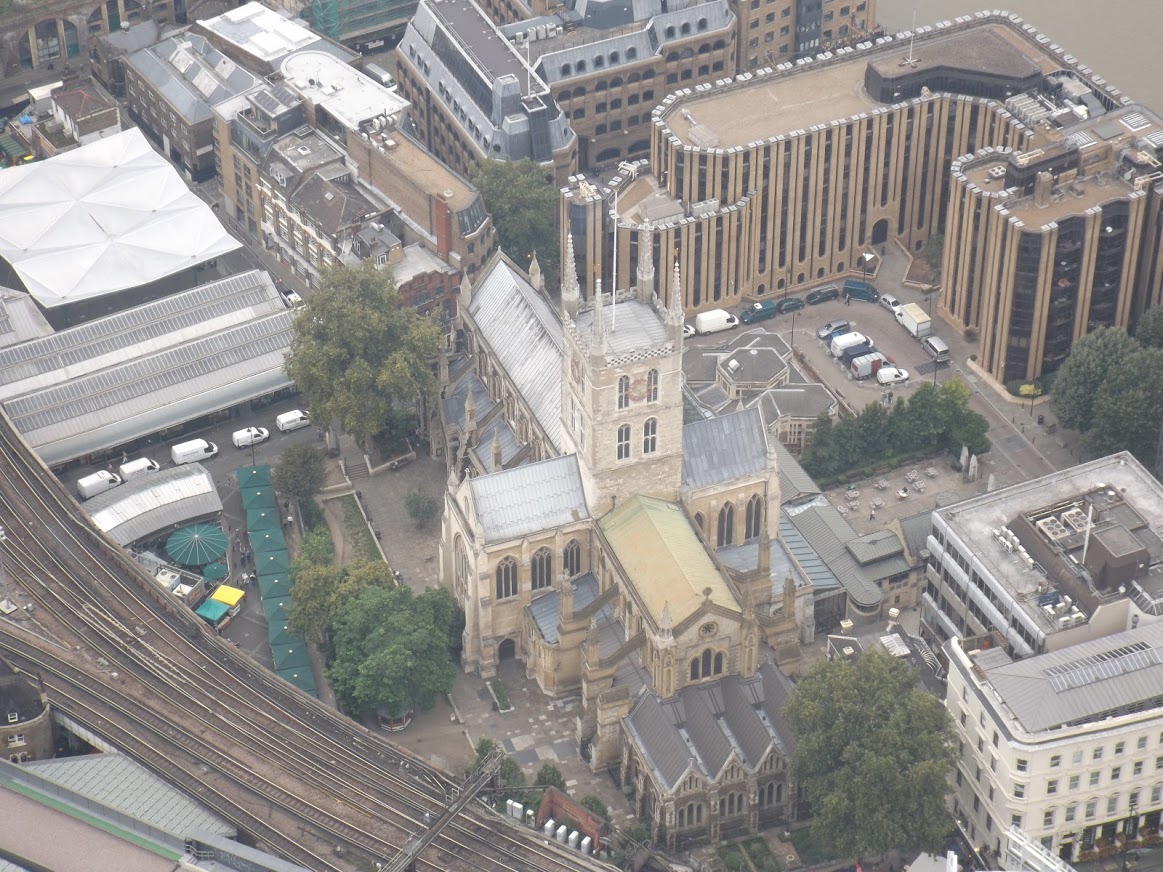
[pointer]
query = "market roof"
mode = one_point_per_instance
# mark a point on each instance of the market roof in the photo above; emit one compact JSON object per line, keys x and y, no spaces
{"x":154,"y":503}
{"x":664,"y":559}
{"x":725,"y":448}
{"x":703,"y":725}
{"x":118,"y":783}
{"x":131,"y":374}
{"x":523,"y":500}
{"x":232,"y":596}
{"x":1083,"y":683}
{"x":213,"y":610}
{"x":523,"y":332}
{"x":106,"y":217}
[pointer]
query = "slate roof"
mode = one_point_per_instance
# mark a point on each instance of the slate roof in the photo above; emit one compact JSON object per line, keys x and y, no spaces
{"x":794,"y":484}
{"x":524,"y":334}
{"x":526,"y":499}
{"x":875,"y":546}
{"x":118,"y":783}
{"x":546,"y":608}
{"x":664,"y":559}
{"x":454,"y":401}
{"x":822,"y":578}
{"x":498,"y":428}
{"x":916,"y":531}
{"x":723,"y":449}
{"x":703,"y":724}
{"x":795,"y":401}
{"x":631,"y":325}
{"x":1082,"y":683}
{"x":828,"y":534}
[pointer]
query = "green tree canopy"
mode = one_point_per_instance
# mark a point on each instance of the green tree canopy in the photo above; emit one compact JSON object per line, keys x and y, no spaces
{"x":593,"y":802}
{"x":1129,"y":408}
{"x":320,"y":591}
{"x":935,"y":251}
{"x":523,"y":204}
{"x":299,"y":472}
{"x":423,"y":508}
{"x":874,"y":753}
{"x":550,"y":776}
{"x":1149,"y":330}
{"x":1076,"y":387}
{"x":390,"y":652}
{"x":510,"y":774}
{"x":357,"y":352}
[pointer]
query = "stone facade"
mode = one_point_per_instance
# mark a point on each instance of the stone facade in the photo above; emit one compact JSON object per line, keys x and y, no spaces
{"x":25,"y":719}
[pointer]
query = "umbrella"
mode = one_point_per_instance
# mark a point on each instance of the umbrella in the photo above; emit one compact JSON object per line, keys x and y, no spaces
{"x":265,"y":541}
{"x":262,"y":519}
{"x":271,"y":563}
{"x":254,"y":476}
{"x":276,"y":609}
{"x":258,"y":498}
{"x":197,"y":544}
{"x":214,"y":572}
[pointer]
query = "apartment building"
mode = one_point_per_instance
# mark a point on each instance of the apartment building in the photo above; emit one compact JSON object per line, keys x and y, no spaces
{"x":1050,"y":563}
{"x":172,"y":88}
{"x":81,"y":113}
{"x":1066,"y":745}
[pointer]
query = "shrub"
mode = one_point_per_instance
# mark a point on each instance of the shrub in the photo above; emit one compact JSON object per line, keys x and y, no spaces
{"x":597,"y":805}
{"x":499,"y":691}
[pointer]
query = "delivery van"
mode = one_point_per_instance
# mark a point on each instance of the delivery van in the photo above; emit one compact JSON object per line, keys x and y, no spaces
{"x":97,"y":483}
{"x":936,"y":348}
{"x":289,"y":421}
{"x":846,"y":340}
{"x":193,"y":451}
{"x":714,"y":321}
{"x":137,"y":467}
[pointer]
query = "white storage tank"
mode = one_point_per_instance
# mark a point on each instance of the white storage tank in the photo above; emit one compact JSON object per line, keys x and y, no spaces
{"x":587,"y":845}
{"x":562,"y":832}
{"x":518,"y":811}
{"x":550,"y":826}
{"x":573,"y":838}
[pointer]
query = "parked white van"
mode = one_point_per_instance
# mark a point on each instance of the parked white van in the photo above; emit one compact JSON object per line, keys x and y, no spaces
{"x":97,"y":483}
{"x":936,"y":347}
{"x":289,"y":421}
{"x":845,"y":341}
{"x":193,"y":451}
{"x":714,"y":321}
{"x":137,"y":467}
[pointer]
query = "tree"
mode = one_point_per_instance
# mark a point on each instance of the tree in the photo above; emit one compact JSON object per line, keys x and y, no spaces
{"x":357,"y":352}
{"x":1077,"y":385}
{"x":550,"y":776}
{"x":509,"y":775}
{"x":935,"y":251}
{"x":1129,"y":408}
{"x":321,"y":591}
{"x":593,"y":802}
{"x":963,"y":425}
{"x":422,"y":507}
{"x":299,"y":472}
{"x":1149,"y":330}
{"x":523,"y":204}
{"x":390,"y":653}
{"x":874,"y":753}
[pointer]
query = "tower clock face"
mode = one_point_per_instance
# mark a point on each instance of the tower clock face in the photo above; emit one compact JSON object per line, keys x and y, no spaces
{"x":637,"y":390}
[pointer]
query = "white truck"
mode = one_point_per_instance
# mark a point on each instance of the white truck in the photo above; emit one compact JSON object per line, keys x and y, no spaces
{"x":915,"y":319}
{"x":714,"y":321}
{"x":846,"y":340}
{"x":97,"y":483}
{"x":866,"y":365}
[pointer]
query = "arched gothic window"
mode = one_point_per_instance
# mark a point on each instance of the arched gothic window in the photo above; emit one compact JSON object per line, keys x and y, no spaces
{"x":624,"y":392}
{"x":726,"y":525}
{"x":652,"y":386}
{"x":571,"y":558}
{"x":506,"y":578}
{"x":754,"y":518}
{"x":542,"y":569}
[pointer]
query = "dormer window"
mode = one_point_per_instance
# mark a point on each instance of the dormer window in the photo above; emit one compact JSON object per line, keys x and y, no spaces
{"x":13,"y":717}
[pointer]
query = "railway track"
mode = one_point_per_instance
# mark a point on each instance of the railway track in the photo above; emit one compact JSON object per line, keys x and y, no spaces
{"x":134,"y":666}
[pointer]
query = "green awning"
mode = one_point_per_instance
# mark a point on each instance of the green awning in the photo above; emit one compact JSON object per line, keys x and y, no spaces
{"x":303,"y":679}
{"x":262,"y":519}
{"x":291,"y":656}
{"x":280,"y":634}
{"x":197,"y":544}
{"x":258,"y":498}
{"x":277,"y":585}
{"x":254,"y":476}
{"x":214,"y":572}
{"x":272,"y":563}
{"x":265,"y":541}
{"x":212,"y":611}
{"x":275,"y":608}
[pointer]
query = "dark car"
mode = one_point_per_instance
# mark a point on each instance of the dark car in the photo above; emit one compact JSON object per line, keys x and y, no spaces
{"x":854,"y":289}
{"x":760,"y":311}
{"x":823,"y":295}
{"x":791,"y":304}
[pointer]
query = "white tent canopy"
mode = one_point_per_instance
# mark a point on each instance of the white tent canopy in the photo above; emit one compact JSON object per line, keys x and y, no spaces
{"x":107,"y":217}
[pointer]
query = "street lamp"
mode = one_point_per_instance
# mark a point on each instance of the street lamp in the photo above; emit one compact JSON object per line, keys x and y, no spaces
{"x":1129,"y":829}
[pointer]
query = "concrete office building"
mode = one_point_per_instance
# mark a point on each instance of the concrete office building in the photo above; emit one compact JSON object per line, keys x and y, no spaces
{"x":1046,"y":564}
{"x":1067,"y":745}
{"x":858,"y":148}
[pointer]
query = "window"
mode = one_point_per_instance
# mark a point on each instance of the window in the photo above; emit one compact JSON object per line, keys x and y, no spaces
{"x":624,"y":392}
{"x":700,"y":522}
{"x":1015,"y":820}
{"x":542,"y":569}
{"x":1071,"y":810}
{"x":1138,"y":768}
{"x":1048,"y":818}
{"x":650,"y":436}
{"x":624,"y":442}
{"x":1156,"y":794}
{"x":726,"y":525}
{"x":1116,"y":772}
{"x":1076,"y":758}
{"x":1019,"y":791}
{"x":1052,"y":786}
{"x":571,"y":559}
{"x":1091,"y":809}
{"x":1055,"y":761}
{"x":1074,"y":782}
{"x":1112,"y":805}
{"x":1022,"y":765}
{"x":16,"y":740}
{"x":506,"y":578}
{"x":754,"y":517}
{"x":1097,"y":755}
{"x":1159,"y":764}
{"x":652,"y":386}
{"x":1094,"y":777}
{"x":1120,"y":747}
{"x":1142,"y":743}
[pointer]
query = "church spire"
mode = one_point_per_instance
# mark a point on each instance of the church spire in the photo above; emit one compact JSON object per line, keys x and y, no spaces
{"x":535,"y":277}
{"x":645,"y":264}
{"x":674,"y":312}
{"x":570,"y":288}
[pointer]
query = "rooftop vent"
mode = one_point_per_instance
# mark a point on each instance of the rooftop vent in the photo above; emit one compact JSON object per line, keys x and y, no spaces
{"x":1053,"y":528}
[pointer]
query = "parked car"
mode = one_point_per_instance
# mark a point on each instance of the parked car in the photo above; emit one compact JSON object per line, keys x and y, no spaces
{"x":760,"y":311}
{"x":292,"y":300}
{"x":837,"y":325}
{"x":890,"y":302}
{"x":854,"y":289}
{"x":250,"y":436}
{"x":292,"y":420}
{"x":688,"y":330}
{"x":890,"y":375}
{"x":823,"y":295}
{"x":791,"y":304}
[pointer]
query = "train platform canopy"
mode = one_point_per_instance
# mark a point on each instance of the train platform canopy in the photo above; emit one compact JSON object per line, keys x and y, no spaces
{"x":155,"y":503}
{"x":302,"y":678}
{"x":106,"y":217}
{"x":129,"y":375}
{"x":213,"y":611}
{"x":231,"y":596}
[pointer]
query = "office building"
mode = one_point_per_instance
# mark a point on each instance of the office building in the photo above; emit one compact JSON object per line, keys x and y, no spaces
{"x":260,"y":38}
{"x":1067,"y":745}
{"x":1050,"y":563}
